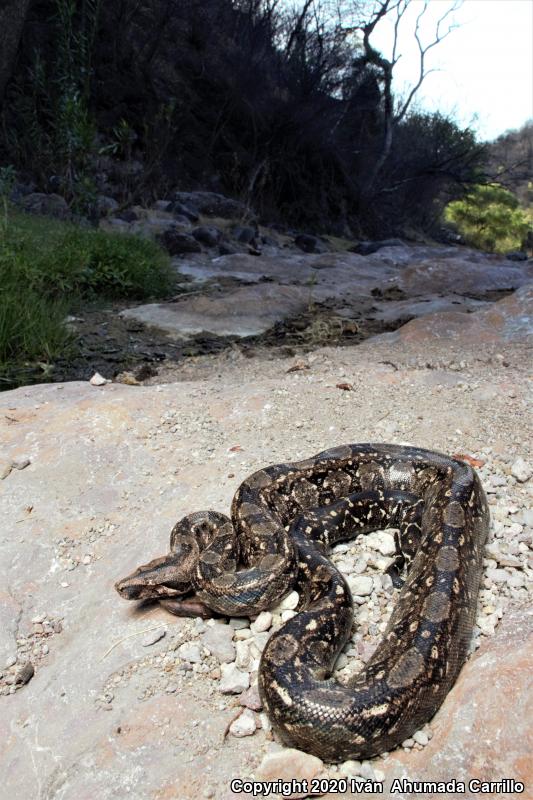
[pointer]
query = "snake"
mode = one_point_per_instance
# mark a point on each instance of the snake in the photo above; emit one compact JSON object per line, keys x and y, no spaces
{"x":284,"y":520}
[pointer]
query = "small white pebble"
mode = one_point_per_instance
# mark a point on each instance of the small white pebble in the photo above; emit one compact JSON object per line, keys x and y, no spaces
{"x":262,"y":623}
{"x":421,"y":737}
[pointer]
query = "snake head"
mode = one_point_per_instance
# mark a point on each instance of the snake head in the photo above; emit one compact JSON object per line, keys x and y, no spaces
{"x":162,"y":577}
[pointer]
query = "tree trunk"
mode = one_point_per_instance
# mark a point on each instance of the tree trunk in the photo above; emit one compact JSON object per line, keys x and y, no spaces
{"x":12,"y":17}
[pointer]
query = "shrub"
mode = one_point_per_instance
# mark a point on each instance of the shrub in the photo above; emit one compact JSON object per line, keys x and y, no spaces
{"x":489,"y":217}
{"x":48,"y":266}
{"x":63,"y":260}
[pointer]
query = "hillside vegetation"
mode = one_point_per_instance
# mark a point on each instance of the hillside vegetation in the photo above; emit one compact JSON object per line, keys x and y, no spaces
{"x":289,"y":108}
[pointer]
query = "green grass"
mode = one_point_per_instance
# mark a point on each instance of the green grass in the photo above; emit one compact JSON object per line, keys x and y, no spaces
{"x":48,"y":267}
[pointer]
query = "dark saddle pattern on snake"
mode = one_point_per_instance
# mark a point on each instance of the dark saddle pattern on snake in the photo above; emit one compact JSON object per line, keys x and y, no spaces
{"x":283,"y":520}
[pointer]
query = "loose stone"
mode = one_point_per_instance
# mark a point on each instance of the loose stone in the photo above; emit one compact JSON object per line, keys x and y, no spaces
{"x":233,"y":681}
{"x":244,"y":725}
{"x":98,"y":380}
{"x":25,"y":673}
{"x":289,"y":764}
{"x":153,"y":636}
{"x":21,"y":463}
{"x":218,"y":640}
{"x":521,"y":470}
{"x":262,"y":623}
{"x":190,"y":652}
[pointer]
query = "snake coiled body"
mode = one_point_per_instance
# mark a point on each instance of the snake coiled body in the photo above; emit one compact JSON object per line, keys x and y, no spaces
{"x":284,"y":518}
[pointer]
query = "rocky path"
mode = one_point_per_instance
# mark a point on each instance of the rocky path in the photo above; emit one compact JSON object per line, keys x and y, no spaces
{"x":99,"y":698}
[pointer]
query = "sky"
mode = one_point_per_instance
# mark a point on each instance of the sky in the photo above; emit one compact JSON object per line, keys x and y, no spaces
{"x":485,"y":65}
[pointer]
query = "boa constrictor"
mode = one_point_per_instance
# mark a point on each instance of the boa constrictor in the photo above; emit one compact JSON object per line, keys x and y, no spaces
{"x":283,"y":520}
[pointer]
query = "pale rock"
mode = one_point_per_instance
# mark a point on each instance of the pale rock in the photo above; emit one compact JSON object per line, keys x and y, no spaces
{"x":260,"y":640}
{"x":20,"y":463}
{"x":5,"y":470}
{"x":262,"y":623}
{"x":421,"y":738}
{"x":504,"y":559}
{"x":251,"y":698}
{"x":521,"y":470}
{"x":361,"y":585}
{"x":386,"y":543}
{"x":243,"y":658}
{"x":287,"y":615}
{"x":289,"y":764}
{"x":239,"y":623}
{"x":98,"y":380}
{"x":265,"y":722}
{"x":233,"y":681}
{"x":288,"y":603}
{"x":190,"y":652}
{"x":350,"y":768}
{"x":244,"y":725}
{"x":153,"y":636}
{"x":218,"y":640}
{"x":367,"y":771}
{"x":243,"y":634}
{"x":497,"y":575}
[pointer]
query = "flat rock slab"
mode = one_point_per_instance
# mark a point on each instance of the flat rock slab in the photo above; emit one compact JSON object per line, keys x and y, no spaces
{"x":508,"y":319}
{"x":473,"y":714}
{"x":281,"y":285}
{"x":246,"y":311}
{"x":112,"y":468}
{"x":394,"y":310}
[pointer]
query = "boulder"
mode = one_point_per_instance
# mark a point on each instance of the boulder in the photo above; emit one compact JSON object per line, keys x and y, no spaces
{"x":212,"y":204}
{"x":482,"y":729}
{"x":208,"y":235}
{"x":516,"y":255}
{"x":178,"y":244}
{"x":183,"y":210}
{"x":50,"y":205}
{"x":367,"y":248}
{"x":244,"y":233}
{"x":105,"y":205}
{"x":310,"y":244}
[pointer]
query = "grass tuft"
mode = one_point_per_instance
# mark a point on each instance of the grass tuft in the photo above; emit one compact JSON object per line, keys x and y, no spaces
{"x":48,"y":267}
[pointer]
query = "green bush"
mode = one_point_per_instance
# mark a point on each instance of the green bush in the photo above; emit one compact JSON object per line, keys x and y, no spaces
{"x":62,"y":260}
{"x":489,"y":218}
{"x":48,"y":267}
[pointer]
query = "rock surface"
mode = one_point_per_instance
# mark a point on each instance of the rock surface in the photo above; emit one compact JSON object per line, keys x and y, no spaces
{"x":111,"y":468}
{"x":473,"y":716}
{"x":397,"y":282}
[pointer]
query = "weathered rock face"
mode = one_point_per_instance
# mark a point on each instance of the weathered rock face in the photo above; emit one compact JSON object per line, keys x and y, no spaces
{"x":423,"y":279}
{"x":510,"y":318}
{"x":243,"y":312}
{"x":484,"y":729}
{"x":92,"y":479}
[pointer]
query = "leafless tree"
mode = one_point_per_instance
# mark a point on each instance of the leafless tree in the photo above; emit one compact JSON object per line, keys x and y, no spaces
{"x":385,"y":66}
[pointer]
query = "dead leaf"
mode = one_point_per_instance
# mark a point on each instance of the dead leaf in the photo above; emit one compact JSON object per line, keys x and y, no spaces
{"x":346,"y":387}
{"x":298,"y":366}
{"x":235,"y":448}
{"x":474,"y":462}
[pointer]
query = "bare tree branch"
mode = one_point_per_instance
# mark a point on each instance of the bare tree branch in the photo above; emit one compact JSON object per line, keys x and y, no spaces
{"x":385,"y":66}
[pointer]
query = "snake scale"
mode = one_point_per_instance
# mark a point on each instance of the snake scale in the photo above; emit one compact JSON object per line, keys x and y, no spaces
{"x":283,"y":520}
